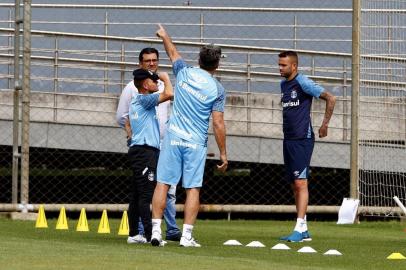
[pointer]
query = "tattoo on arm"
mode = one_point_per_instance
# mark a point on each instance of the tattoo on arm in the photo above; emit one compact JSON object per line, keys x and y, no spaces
{"x":330,"y":103}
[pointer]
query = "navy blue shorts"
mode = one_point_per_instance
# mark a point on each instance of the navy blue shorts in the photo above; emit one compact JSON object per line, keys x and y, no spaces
{"x":297,"y":155}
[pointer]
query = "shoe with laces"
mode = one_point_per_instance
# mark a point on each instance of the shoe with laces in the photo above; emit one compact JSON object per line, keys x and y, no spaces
{"x":138,"y":239}
{"x":293,"y":237}
{"x":156,"y":239}
{"x":306,"y":236}
{"x":184,"y":242}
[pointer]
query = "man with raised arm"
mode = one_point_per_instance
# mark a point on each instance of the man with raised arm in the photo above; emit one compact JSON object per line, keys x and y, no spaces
{"x":149,"y":60}
{"x":197,"y":96}
{"x":143,"y":129}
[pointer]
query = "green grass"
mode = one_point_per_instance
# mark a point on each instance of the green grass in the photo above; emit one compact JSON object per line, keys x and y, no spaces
{"x":364,"y":246}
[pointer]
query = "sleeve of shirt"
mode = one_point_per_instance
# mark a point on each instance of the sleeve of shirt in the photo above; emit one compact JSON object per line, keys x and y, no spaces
{"x":148,"y":101}
{"x":310,"y":87}
{"x":220,"y":101}
{"x":124,"y":103}
{"x":178,"y":65}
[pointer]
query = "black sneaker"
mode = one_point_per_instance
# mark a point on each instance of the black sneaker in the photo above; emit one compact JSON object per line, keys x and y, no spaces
{"x":175,"y":237}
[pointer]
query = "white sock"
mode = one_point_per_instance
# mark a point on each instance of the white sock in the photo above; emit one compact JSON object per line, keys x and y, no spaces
{"x":300,"y":222}
{"x":305,"y":223}
{"x":187,"y":231}
{"x":156,"y":225}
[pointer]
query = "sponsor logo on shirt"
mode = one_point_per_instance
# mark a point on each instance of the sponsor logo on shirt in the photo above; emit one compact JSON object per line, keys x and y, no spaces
{"x":180,"y":131}
{"x":290,"y":104}
{"x":184,"y":144}
{"x":182,"y":117}
{"x":193,"y":92}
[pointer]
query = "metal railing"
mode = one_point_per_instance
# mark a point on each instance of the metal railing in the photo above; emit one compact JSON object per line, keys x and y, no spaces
{"x":248,"y":73}
{"x":203,"y":23}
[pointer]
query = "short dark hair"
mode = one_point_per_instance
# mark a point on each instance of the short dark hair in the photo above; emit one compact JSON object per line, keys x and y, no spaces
{"x":209,"y":57}
{"x":147,"y":50}
{"x":138,"y":83}
{"x":291,"y":54}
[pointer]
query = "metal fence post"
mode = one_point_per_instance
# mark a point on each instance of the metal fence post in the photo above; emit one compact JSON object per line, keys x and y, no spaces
{"x":25,"y":134}
{"x":201,"y":27}
{"x":345,"y":105}
{"x":56,"y":75}
{"x":295,"y":32}
{"x":16,"y":103}
{"x":106,"y":25}
{"x":356,"y":22}
{"x":390,"y":44}
{"x":122,"y":72}
{"x":9,"y":40}
{"x":248,"y":93}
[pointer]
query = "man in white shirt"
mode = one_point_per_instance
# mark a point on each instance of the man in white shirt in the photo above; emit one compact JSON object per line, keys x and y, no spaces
{"x":148,"y":60}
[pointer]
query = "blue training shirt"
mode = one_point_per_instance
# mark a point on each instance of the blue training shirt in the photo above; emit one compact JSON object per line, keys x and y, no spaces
{"x":296,"y":97}
{"x":144,"y":120}
{"x":197,"y":94}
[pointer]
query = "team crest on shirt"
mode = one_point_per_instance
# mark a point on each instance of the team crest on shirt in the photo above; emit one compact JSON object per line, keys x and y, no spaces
{"x":293,"y":94}
{"x":151,"y":176}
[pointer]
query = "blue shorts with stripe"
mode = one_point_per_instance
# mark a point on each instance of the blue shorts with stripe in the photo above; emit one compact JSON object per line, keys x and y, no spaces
{"x":181,"y":159}
{"x":297,"y":155}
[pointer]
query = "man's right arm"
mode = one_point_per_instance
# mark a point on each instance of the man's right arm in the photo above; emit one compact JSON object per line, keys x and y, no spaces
{"x":219,"y":131}
{"x":168,"y":44}
{"x":167,"y":94}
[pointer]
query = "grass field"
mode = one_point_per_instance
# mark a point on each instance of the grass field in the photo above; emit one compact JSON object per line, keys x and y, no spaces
{"x":364,"y":246}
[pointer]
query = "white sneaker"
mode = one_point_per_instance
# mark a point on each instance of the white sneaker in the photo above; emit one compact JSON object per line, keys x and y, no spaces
{"x":156,"y":239}
{"x":184,"y":242}
{"x":138,"y":239}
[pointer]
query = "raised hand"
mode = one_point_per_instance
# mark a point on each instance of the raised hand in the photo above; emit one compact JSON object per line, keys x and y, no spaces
{"x":161,"y":32}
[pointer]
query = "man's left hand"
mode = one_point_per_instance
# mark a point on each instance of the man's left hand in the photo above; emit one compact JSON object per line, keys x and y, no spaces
{"x":323,"y":131}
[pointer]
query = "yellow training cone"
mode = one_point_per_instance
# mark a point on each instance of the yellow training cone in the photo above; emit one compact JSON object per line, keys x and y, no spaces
{"x":62,"y":223}
{"x":124,"y":230}
{"x":41,"y":219}
{"x":396,"y":256}
{"x":104,"y":226}
{"x":82,"y":225}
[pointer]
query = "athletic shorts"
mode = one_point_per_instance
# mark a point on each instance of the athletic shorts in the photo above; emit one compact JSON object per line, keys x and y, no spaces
{"x":297,"y":155}
{"x":181,"y":159}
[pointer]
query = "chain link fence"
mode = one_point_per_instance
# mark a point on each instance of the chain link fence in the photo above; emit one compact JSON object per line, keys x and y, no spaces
{"x":382,"y":129}
{"x":83,"y":55}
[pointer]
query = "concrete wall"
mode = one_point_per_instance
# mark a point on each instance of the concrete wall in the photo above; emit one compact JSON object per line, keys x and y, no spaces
{"x":246,"y":114}
{"x":87,"y":122}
